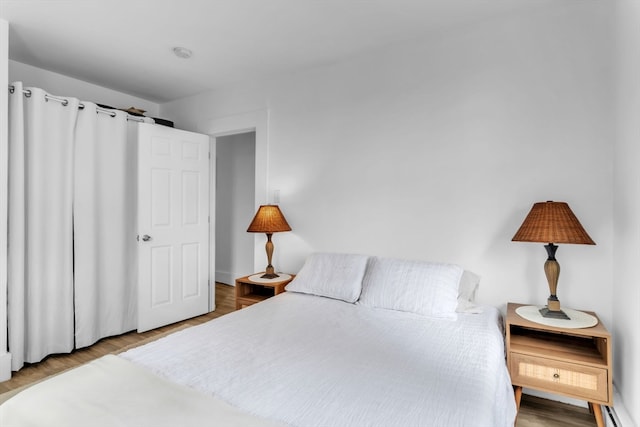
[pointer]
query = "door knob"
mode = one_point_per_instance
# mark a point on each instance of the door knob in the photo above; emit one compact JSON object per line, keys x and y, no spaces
{"x":146,"y":238}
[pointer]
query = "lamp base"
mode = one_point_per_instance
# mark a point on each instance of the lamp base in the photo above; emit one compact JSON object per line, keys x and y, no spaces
{"x":269,"y":272}
{"x":553,"y":314}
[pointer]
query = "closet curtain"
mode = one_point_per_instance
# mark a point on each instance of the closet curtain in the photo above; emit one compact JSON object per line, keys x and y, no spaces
{"x":72,"y":224}
{"x":40,"y":258}
{"x":104,"y":225}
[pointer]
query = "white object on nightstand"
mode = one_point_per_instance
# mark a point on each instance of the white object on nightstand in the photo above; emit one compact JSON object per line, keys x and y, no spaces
{"x":577,"y":319}
{"x":258,"y":279}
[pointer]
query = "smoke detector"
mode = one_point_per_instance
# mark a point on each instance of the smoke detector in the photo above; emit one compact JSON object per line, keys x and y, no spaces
{"x":182,"y":52}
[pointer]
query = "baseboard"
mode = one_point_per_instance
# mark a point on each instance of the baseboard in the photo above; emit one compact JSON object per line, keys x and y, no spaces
{"x":5,"y":366}
{"x":619,"y":416}
{"x":610,"y":417}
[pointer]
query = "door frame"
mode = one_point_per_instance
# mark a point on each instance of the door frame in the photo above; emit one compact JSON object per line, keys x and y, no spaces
{"x":239,"y":260}
{"x":253,"y":121}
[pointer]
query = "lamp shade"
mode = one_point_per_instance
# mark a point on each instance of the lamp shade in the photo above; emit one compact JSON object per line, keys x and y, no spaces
{"x":268,"y":219}
{"x":552,"y":222}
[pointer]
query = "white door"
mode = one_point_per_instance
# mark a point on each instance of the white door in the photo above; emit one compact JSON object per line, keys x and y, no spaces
{"x":173,"y":225}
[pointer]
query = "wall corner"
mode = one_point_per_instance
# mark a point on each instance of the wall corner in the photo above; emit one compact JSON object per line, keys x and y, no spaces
{"x":5,"y":358}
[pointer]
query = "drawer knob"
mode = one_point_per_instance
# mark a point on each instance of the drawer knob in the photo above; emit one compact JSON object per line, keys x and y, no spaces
{"x":556,"y":375}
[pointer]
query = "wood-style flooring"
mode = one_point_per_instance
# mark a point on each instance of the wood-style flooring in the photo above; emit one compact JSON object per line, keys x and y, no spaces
{"x":225,"y":303}
{"x":534,"y":412}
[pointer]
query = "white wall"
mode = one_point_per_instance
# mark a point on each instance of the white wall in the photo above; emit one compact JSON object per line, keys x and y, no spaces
{"x":437,"y":149}
{"x":626,"y":288}
{"x":235,"y":196}
{"x":61,"y":85}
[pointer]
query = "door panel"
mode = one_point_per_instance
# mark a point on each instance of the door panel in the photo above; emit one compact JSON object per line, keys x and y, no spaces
{"x":173,"y":225}
{"x":160,"y":271}
{"x":190,"y":270}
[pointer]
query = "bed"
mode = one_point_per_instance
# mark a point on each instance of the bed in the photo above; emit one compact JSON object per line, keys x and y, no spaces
{"x":355,"y":341}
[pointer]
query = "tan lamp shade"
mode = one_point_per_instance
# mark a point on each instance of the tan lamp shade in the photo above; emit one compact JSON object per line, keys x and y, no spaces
{"x":552,"y":222}
{"x":269,"y":220}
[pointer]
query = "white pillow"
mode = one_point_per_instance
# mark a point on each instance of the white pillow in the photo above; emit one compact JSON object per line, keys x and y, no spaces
{"x":467,"y":290}
{"x":426,"y":288}
{"x":337,"y":276}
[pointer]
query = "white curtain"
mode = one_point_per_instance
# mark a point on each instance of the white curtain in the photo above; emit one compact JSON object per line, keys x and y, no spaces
{"x":72,"y":224}
{"x":104,"y":226}
{"x":40,"y":260}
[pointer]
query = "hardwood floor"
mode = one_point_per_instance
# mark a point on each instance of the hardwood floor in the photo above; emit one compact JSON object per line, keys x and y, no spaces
{"x":537,"y":412}
{"x":225,"y":303}
{"x":534,"y":412}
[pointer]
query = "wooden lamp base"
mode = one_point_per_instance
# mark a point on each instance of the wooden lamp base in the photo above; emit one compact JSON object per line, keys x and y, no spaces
{"x":553,"y":314}
{"x":269,"y":272}
{"x":552,"y":271}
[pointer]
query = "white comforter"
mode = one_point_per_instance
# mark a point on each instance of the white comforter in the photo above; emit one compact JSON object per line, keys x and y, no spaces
{"x":313,"y":361}
{"x":110,"y":392}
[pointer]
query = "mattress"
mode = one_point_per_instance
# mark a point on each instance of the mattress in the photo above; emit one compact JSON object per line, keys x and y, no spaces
{"x":305,"y":360}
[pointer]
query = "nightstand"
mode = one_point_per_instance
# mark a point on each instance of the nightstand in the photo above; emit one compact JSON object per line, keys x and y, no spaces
{"x":252,"y":289}
{"x":567,"y":361}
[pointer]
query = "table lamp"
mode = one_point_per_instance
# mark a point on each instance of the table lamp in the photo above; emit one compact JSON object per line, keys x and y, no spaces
{"x":269,"y":220}
{"x":552,"y":222}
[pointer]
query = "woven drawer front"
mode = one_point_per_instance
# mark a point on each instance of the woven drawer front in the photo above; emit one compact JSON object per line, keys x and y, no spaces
{"x":552,"y":375}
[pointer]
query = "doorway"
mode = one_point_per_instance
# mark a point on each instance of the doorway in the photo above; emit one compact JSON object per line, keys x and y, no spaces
{"x":235,"y":205}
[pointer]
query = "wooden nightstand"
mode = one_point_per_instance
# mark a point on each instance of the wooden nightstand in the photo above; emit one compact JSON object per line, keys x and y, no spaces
{"x":571,"y":362}
{"x":249,"y":291}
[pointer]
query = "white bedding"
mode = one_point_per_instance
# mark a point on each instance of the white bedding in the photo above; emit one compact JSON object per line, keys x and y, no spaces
{"x":110,"y":392}
{"x":312,"y":361}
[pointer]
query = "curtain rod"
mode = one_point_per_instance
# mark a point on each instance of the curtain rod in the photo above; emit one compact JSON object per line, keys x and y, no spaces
{"x":65,"y":101}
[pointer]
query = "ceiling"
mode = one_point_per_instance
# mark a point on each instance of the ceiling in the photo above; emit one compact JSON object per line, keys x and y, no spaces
{"x":127,"y":45}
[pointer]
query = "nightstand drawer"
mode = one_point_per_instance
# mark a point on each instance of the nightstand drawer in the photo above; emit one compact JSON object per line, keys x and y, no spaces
{"x":573,"y":379}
